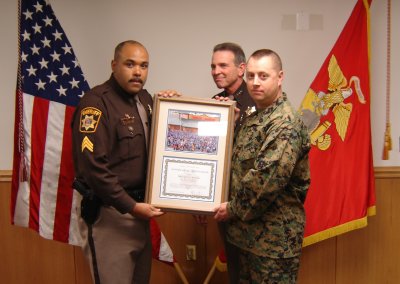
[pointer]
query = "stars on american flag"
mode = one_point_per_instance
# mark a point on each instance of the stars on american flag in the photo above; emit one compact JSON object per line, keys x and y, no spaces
{"x":49,"y":68}
{"x":50,"y":84}
{"x":43,"y":63}
{"x":46,"y":42}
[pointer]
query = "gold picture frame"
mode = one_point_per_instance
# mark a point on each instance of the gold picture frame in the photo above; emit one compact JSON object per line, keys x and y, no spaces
{"x":190,"y":154}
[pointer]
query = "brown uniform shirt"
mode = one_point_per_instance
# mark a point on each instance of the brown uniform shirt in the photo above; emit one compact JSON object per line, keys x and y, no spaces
{"x":109,"y":144}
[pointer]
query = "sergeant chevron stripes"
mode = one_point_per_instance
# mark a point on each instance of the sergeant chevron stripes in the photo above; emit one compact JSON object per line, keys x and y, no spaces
{"x":86,"y":143}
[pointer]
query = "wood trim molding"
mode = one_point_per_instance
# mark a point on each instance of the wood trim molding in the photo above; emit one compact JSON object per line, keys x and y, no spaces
{"x":387,"y":172}
{"x":5,"y":175}
{"x":380,"y":173}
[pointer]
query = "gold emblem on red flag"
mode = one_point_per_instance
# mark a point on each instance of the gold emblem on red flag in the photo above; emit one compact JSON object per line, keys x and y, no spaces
{"x":316,"y":105}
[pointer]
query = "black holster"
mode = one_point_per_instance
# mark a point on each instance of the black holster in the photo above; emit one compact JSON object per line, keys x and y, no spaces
{"x":90,"y":209}
{"x":90,"y":204}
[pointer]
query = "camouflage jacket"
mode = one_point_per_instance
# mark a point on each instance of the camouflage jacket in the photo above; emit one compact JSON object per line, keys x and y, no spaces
{"x":269,"y":182}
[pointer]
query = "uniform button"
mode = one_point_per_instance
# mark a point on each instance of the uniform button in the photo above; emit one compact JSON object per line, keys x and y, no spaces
{"x":130,"y":128}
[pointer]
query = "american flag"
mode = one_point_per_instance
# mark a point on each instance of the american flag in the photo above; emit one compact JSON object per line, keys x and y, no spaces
{"x":49,"y":85}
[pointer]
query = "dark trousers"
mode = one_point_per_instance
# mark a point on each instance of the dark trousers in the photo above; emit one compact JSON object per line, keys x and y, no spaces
{"x":232,"y":254}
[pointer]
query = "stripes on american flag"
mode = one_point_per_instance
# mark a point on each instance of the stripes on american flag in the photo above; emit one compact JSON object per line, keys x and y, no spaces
{"x":160,"y":248}
{"x":49,"y":85}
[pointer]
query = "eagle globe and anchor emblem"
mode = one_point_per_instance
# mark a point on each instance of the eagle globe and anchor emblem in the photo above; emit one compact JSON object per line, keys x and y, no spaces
{"x":317,"y":105}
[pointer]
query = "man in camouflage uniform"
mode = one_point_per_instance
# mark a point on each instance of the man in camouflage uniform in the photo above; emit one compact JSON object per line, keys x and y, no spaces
{"x":270,"y":176}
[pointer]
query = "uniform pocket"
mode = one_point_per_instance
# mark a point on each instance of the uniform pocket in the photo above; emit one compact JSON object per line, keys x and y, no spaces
{"x":244,"y":158}
{"x":130,"y":141}
{"x":248,"y":151}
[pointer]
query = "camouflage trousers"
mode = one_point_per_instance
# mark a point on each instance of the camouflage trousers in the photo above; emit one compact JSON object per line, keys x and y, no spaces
{"x":257,"y":269}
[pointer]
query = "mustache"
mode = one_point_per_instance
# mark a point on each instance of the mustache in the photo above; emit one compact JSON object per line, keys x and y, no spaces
{"x":136,"y":80}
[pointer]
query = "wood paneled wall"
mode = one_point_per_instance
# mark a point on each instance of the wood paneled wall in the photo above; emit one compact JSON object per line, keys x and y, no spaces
{"x":369,"y":255}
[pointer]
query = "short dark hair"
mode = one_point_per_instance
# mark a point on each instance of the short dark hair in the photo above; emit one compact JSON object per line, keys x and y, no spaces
{"x":234,"y":48}
{"x":268,"y":52}
{"x":119,"y":47}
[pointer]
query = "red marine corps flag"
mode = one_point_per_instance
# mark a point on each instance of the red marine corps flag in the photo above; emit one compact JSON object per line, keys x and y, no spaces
{"x":336,"y":109}
{"x":49,"y":85}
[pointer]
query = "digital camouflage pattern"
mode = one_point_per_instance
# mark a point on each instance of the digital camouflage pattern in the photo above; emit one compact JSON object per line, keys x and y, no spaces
{"x":259,"y":269}
{"x":269,"y":182}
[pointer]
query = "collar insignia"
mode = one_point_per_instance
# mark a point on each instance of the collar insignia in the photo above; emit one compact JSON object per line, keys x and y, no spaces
{"x":249,"y":110}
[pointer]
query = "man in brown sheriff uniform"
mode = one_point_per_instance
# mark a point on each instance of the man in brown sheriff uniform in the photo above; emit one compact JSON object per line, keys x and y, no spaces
{"x":270,"y":177}
{"x":110,"y":137}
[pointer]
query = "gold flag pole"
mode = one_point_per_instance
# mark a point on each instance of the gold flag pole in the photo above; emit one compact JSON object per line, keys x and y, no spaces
{"x":387,"y":146}
{"x":180,"y":273}
{"x":210,"y":273}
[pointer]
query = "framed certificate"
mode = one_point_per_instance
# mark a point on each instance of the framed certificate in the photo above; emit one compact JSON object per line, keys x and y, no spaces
{"x":190,"y":154}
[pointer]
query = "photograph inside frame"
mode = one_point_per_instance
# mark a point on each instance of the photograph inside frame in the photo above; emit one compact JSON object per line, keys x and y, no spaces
{"x":192,"y":132}
{"x":190,"y":154}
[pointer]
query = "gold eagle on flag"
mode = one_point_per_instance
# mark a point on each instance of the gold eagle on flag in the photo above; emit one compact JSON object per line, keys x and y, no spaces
{"x":315,"y":105}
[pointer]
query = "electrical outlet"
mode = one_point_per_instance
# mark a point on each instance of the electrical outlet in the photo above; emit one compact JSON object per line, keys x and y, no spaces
{"x":190,"y":252}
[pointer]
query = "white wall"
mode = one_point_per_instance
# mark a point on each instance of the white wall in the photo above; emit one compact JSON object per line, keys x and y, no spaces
{"x":180,"y":35}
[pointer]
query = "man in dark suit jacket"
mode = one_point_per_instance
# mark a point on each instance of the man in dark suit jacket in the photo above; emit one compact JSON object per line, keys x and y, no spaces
{"x":228,"y":65}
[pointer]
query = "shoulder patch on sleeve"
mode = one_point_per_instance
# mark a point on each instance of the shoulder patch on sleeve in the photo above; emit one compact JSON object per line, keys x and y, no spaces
{"x":90,"y":118}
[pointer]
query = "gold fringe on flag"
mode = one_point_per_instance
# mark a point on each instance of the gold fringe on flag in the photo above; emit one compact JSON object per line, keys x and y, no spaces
{"x":23,"y":173}
{"x":341,"y":229}
{"x":387,"y":145}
